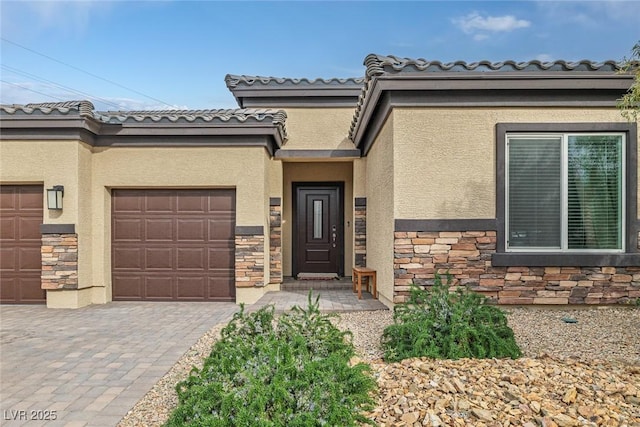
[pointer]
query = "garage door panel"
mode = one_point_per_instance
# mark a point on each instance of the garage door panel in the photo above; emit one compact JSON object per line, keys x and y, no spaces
{"x":127,"y":287}
{"x":127,"y":230}
{"x":21,"y":208}
{"x":191,"y":229}
{"x":8,"y":229}
{"x":221,"y":229}
{"x":191,"y":288}
{"x":191,"y":259}
{"x":160,"y":202}
{"x":30,"y":199}
{"x":159,"y":230}
{"x":30,"y":290}
{"x":159,"y":259}
{"x":130,"y":201}
{"x":221,"y":289}
{"x":8,"y":287}
{"x":224,"y":202}
{"x":187,"y":238}
{"x":159,"y":288}
{"x":192,"y":201}
{"x":29,"y":229}
{"x":221,"y":258}
{"x":8,"y":259}
{"x":29,"y":259}
{"x":127,"y":258}
{"x":8,"y":198}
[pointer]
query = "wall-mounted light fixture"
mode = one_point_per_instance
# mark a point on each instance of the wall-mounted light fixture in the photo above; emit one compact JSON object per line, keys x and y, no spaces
{"x":54,"y":197}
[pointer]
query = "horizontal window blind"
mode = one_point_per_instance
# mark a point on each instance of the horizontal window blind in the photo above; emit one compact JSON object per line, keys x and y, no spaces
{"x":534,"y":193}
{"x":594,"y":198}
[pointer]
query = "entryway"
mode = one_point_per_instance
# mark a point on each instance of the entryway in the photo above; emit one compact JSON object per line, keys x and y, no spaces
{"x":318,"y":228}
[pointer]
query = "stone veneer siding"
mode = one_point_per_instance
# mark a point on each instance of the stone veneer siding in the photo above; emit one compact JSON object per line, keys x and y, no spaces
{"x":249,"y":259}
{"x":466,"y":255}
{"x":59,"y":253}
{"x":360,"y":232}
{"x":275,"y":240}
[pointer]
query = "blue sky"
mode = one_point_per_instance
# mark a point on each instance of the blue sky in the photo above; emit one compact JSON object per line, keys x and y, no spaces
{"x":175,"y":54}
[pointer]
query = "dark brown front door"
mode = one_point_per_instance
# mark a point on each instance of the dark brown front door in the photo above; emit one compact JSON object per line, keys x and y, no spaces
{"x":318,"y":228}
{"x":20,"y":240}
{"x":170,"y":245}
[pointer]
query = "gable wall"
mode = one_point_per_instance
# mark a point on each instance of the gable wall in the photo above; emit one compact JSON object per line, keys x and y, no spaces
{"x":318,"y":128}
{"x":381,"y":193}
{"x":445,"y":157}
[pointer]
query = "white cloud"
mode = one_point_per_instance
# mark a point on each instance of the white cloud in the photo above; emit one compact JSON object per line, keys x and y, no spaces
{"x":24,"y":18}
{"x":543,"y":57}
{"x":479,"y":25}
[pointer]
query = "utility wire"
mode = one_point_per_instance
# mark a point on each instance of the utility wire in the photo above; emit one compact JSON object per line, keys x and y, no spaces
{"x":42,"y":79}
{"x":32,"y":90}
{"x":85,"y":72}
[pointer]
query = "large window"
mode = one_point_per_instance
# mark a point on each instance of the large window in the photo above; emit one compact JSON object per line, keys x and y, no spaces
{"x":565,"y":192}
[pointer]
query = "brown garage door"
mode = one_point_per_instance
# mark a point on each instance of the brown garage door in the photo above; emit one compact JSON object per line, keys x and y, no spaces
{"x":20,"y":241}
{"x":170,"y":245}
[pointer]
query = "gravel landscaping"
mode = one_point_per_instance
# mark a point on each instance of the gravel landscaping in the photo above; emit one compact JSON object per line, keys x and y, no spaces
{"x":572,"y":374}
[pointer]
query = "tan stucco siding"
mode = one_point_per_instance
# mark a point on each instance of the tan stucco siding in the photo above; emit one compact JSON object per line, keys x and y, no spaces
{"x":380,"y":196}
{"x":84,"y":226}
{"x":45,"y":162}
{"x":316,"y":172}
{"x":241,"y":168}
{"x":360,"y":177}
{"x":445,"y":157}
{"x":318,"y":128}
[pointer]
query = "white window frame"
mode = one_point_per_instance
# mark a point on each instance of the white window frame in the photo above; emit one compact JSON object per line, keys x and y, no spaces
{"x":564,"y":137}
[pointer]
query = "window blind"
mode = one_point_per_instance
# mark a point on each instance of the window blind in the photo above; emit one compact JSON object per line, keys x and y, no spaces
{"x":534,"y":192}
{"x":594,"y":179}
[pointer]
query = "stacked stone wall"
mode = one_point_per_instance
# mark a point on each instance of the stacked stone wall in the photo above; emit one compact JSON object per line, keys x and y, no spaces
{"x":59,"y":254}
{"x":466,"y":255}
{"x":275,"y":243}
{"x":249,"y":260}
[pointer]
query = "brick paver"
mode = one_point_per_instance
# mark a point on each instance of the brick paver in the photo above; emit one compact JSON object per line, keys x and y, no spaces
{"x":91,"y":365}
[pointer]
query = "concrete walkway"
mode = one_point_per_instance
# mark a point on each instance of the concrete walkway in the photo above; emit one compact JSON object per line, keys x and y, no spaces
{"x":90,"y":366}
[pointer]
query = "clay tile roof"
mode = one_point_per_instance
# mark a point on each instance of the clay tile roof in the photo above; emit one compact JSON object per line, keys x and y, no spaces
{"x":378,"y":64}
{"x":219,"y":117}
{"x":389,"y":66}
{"x":233,"y":81}
{"x":83,"y":108}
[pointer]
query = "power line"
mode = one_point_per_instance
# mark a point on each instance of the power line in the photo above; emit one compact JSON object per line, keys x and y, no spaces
{"x":84,"y":71}
{"x":42,"y":79}
{"x":32,"y":90}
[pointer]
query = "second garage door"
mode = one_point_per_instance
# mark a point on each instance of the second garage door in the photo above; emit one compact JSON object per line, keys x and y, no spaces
{"x":170,"y":245}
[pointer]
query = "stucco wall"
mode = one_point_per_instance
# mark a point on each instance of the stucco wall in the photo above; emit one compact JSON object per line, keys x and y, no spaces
{"x":429,"y":186}
{"x":316,"y":172}
{"x":380,"y":196}
{"x":318,"y":128}
{"x":189,"y":167}
{"x":49,"y":163}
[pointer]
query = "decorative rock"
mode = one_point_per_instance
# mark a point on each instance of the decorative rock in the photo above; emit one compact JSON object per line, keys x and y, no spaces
{"x":410,"y":417}
{"x":482,"y":414}
{"x":570,"y":396}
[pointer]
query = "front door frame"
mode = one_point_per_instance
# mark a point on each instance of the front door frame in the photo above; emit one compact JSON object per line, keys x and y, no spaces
{"x":339,"y":185}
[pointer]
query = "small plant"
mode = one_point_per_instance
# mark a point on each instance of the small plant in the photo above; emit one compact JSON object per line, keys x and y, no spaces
{"x":293,"y":372}
{"x":440,"y":324}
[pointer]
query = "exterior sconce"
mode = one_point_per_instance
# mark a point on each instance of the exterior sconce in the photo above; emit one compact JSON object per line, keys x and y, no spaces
{"x":54,"y":197}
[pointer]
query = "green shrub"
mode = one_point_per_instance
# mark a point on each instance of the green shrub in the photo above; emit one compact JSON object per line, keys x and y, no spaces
{"x":440,"y":324}
{"x":293,"y":372}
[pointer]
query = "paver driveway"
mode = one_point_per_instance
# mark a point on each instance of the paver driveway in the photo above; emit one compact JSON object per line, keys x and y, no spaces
{"x":91,"y":365}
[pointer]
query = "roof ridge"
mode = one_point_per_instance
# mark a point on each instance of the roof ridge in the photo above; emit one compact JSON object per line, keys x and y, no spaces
{"x":84,"y":107}
{"x":379,"y":64}
{"x":233,"y":80}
